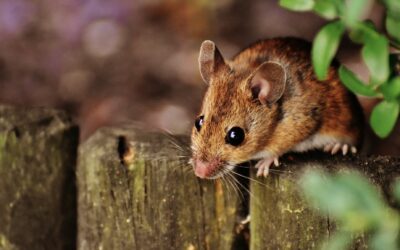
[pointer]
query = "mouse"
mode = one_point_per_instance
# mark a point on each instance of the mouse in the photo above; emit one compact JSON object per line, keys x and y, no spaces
{"x":267,"y":101}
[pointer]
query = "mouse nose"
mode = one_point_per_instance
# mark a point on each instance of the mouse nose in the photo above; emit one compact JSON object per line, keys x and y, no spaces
{"x":205,"y":169}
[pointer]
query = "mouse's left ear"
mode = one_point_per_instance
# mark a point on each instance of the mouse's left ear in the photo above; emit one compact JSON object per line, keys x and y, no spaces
{"x":210,"y":60}
{"x":268,"y":82}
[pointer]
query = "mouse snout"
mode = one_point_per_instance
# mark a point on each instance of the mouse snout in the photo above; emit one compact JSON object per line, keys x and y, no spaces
{"x":205,"y":169}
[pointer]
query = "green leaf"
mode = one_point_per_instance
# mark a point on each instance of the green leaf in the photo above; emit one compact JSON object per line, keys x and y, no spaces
{"x":354,"y":84}
{"x":354,"y":10}
{"x":376,"y":56}
{"x":366,"y":206}
{"x":363,"y":31}
{"x":384,"y":117}
{"x":348,"y":198}
{"x":355,"y":205}
{"x":393,"y":8}
{"x":297,"y":5}
{"x":391,"y":89}
{"x":393,"y":27}
{"x":325,"y":46}
{"x":385,"y":238}
{"x":338,"y":241}
{"x":326,"y":8}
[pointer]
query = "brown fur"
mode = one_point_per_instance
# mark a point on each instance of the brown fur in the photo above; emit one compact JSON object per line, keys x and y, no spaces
{"x":307,"y":106}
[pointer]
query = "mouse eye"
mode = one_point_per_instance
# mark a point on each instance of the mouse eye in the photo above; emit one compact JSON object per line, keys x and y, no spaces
{"x":235,"y":136}
{"x":199,"y":122}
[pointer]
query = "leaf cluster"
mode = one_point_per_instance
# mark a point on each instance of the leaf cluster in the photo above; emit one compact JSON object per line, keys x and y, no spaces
{"x":356,"y":206}
{"x":384,"y":82}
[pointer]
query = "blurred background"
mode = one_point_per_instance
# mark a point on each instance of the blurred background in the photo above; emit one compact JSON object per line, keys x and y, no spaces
{"x":113,"y":61}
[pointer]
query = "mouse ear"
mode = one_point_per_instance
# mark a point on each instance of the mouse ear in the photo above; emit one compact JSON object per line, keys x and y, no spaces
{"x":210,"y":60}
{"x":268,"y":82}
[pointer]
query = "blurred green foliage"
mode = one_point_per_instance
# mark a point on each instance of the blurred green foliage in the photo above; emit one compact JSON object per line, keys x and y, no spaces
{"x":356,"y":206}
{"x":348,"y":14}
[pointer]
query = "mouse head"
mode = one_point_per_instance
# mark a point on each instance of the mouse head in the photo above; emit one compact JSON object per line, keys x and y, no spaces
{"x":239,"y":113}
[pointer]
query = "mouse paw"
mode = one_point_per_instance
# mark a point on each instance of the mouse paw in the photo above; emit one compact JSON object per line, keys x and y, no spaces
{"x":334,"y":148}
{"x":264,"y":164}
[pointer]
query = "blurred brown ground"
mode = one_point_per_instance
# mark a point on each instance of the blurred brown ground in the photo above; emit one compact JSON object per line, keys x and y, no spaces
{"x":113,"y":61}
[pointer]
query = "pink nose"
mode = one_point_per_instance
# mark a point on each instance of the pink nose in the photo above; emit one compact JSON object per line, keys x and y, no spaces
{"x":205,"y":169}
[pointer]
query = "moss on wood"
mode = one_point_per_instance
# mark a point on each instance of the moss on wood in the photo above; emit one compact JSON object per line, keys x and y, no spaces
{"x":137,"y":191}
{"x":281,"y":219}
{"x":37,"y":194}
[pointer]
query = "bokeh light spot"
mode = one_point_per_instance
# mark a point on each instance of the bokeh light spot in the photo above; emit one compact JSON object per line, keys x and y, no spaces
{"x":103,"y":38}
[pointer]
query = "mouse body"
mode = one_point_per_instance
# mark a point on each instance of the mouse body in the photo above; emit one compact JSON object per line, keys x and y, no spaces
{"x":267,"y":101}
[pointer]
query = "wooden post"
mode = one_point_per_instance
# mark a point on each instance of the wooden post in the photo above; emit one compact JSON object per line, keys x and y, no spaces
{"x":137,"y":191}
{"x":37,"y":193}
{"x":281,"y":219}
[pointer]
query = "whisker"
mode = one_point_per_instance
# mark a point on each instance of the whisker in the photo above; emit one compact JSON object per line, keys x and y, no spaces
{"x":252,"y":179}
{"x":175,"y":142}
{"x":271,"y":169}
{"x":244,"y":190}
{"x":242,"y":166}
{"x":254,"y":198}
{"x":237,"y":190}
{"x":240,"y":185}
{"x":225,"y":181}
{"x":179,"y":147}
{"x":280,"y":171}
{"x":235,"y":181}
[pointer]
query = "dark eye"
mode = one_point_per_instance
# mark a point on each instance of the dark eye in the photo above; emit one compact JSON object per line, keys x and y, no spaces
{"x":235,"y":136}
{"x":199,"y":122}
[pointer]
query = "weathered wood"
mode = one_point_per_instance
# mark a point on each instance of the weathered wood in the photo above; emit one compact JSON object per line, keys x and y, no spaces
{"x":137,"y":191}
{"x":37,"y":193}
{"x":281,"y":219}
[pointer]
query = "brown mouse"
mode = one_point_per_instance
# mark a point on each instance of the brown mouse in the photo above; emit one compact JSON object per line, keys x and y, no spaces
{"x":267,"y":101}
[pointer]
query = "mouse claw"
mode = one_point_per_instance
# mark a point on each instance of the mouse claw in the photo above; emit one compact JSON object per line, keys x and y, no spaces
{"x":263,"y":170}
{"x":345,"y":149}
{"x":336,"y":148}
{"x":264,"y":164}
{"x":263,"y":167}
{"x":276,"y":162}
